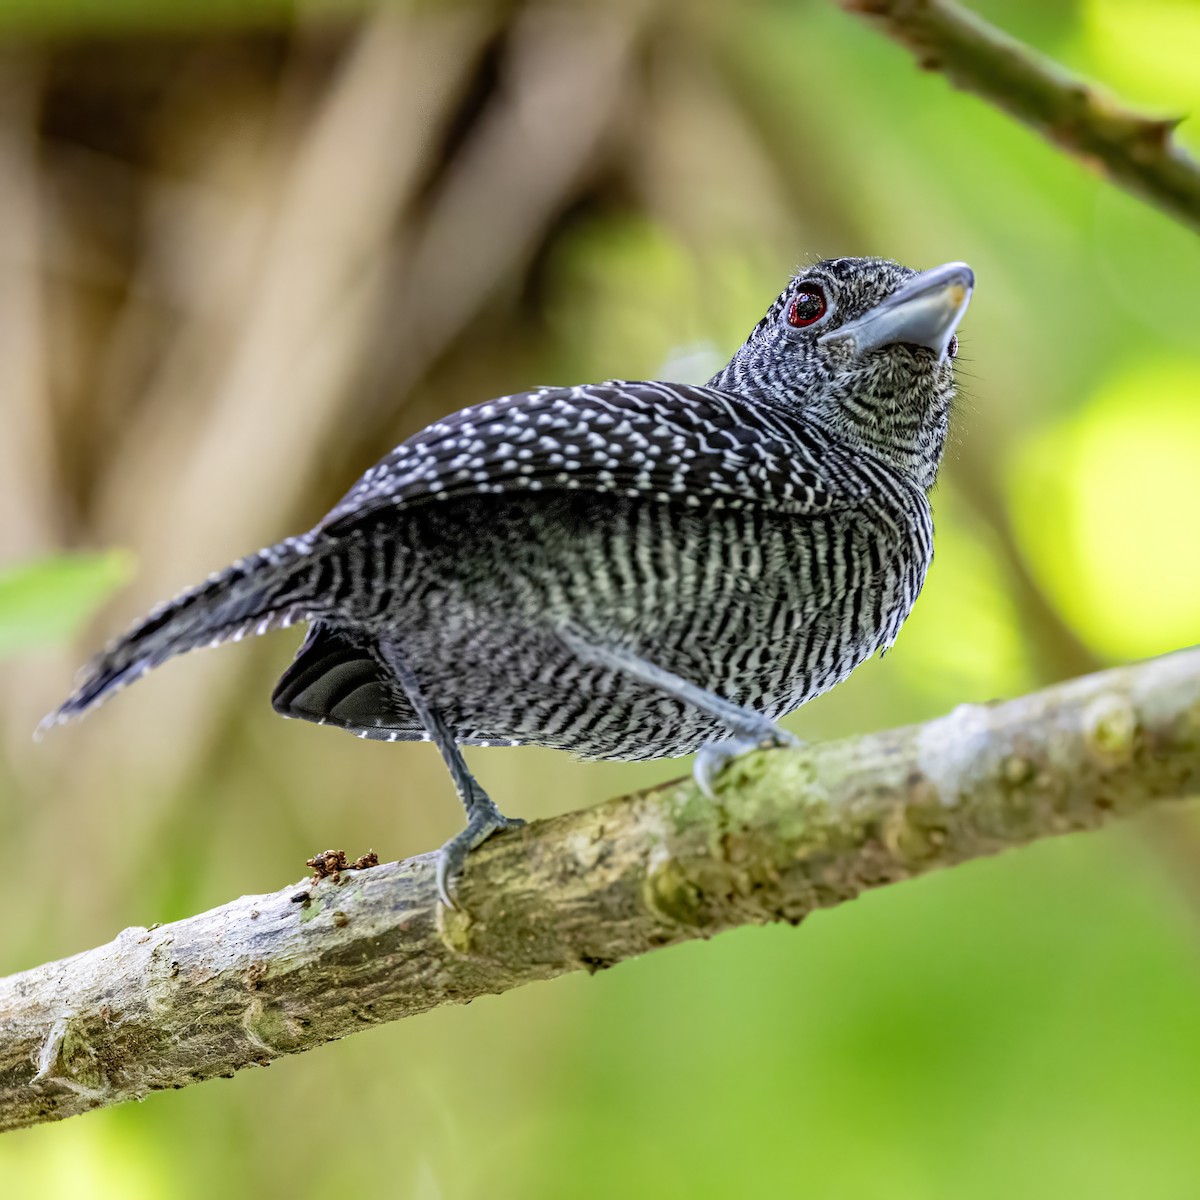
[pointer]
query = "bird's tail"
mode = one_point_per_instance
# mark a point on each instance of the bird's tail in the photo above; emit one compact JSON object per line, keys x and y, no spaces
{"x":267,"y":590}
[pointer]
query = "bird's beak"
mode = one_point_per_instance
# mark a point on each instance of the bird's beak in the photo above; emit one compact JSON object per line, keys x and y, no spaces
{"x":924,"y":312}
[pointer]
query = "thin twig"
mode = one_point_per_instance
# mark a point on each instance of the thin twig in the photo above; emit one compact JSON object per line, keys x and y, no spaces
{"x":793,"y":831}
{"x":1137,"y":152}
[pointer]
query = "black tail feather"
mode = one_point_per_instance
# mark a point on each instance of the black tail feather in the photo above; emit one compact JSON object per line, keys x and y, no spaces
{"x":264,"y":591}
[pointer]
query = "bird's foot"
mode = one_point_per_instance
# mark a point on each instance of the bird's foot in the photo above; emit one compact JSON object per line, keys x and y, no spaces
{"x":714,"y":757}
{"x":485,"y":820}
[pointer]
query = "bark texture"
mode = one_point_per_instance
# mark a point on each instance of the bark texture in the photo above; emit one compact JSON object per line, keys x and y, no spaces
{"x":1136,"y":152}
{"x":793,"y":831}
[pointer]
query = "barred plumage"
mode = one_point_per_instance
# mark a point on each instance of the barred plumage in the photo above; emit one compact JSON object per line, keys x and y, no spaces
{"x":623,"y":570}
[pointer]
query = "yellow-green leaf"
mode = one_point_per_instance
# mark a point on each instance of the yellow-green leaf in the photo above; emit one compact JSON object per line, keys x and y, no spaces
{"x":43,"y":602}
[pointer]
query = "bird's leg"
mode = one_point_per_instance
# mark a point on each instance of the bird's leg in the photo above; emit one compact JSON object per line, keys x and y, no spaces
{"x":748,"y":730}
{"x":483,"y":817}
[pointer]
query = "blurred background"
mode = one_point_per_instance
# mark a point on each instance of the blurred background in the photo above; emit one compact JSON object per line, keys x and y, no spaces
{"x":246,"y":248}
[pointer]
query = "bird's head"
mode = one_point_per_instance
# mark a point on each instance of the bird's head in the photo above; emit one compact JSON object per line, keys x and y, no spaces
{"x":865,"y":348}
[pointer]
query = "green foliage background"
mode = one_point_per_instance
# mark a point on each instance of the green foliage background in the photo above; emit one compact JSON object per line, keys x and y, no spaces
{"x":1021,"y":1027}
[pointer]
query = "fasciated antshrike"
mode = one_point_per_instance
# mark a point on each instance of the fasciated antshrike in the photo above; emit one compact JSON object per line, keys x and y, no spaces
{"x":622,"y":570}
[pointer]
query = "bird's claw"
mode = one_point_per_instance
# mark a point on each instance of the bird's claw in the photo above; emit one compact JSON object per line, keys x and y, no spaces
{"x":451,"y":858}
{"x":714,"y":757}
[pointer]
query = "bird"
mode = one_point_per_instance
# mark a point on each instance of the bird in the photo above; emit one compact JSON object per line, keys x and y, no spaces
{"x":623,"y":570}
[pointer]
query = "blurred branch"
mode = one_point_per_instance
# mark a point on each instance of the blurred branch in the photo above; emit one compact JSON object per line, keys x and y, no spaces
{"x":1138,"y":153}
{"x":567,"y":77}
{"x":26,"y":447}
{"x":27,"y":442}
{"x":793,"y":832}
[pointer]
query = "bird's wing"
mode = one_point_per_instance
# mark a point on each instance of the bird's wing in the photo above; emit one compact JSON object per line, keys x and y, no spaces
{"x":671,"y":442}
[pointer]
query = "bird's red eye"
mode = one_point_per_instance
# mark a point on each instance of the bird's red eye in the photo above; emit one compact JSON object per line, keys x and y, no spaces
{"x":808,"y":306}
{"x":952,"y":348}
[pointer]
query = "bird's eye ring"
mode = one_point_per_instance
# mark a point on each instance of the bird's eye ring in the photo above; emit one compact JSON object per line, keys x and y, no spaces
{"x":808,"y":306}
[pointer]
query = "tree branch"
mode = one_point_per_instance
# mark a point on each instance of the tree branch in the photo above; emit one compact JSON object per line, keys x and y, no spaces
{"x":794,"y":831}
{"x":1136,"y":152}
